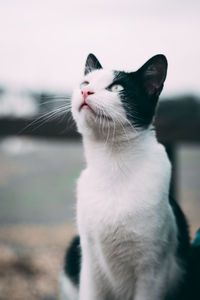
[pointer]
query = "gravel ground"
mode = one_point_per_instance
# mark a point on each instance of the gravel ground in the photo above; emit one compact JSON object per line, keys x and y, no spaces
{"x":31,"y":258}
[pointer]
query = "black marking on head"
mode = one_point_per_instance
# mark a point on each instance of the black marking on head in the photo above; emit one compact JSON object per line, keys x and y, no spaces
{"x":142,"y":89}
{"x":92,"y":64}
{"x":73,"y":261}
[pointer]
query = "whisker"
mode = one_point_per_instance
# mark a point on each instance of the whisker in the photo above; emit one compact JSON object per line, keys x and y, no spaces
{"x":51,"y":116}
{"x":63,"y":109}
{"x":54,"y":102}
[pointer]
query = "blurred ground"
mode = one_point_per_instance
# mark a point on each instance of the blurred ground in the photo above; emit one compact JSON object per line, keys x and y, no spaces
{"x":38,"y":180}
{"x":37,"y":210}
{"x":31,"y":258}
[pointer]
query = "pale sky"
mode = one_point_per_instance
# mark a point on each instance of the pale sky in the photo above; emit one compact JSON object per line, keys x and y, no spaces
{"x":44,"y":43}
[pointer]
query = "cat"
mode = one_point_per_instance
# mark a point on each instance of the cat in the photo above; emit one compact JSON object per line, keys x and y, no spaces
{"x":133,"y":241}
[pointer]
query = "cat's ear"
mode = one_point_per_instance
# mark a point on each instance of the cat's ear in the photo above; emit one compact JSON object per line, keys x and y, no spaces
{"x":152,"y":75}
{"x":91,"y":64}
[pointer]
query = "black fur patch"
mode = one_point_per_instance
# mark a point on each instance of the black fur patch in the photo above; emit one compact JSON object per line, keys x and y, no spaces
{"x":139,"y":110}
{"x":193,"y":287}
{"x":73,"y":261}
{"x":189,"y":257}
{"x":183,"y":250}
{"x":142,"y":89}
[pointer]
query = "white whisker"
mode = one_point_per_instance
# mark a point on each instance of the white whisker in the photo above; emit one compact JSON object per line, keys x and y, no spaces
{"x":46,"y":117}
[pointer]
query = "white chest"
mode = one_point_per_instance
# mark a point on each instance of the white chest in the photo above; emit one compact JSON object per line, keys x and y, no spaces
{"x":111,"y":202}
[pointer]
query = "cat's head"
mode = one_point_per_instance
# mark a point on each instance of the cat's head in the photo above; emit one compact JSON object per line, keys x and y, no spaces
{"x":117,"y":100}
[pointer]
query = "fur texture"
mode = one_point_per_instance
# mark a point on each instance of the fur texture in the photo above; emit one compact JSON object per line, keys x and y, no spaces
{"x":133,"y":238}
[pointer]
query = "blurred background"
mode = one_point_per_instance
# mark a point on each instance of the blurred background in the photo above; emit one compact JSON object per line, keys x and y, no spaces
{"x":43,"y":47}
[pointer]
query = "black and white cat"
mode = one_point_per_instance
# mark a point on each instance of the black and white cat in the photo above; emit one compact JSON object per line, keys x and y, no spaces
{"x":134,"y":241}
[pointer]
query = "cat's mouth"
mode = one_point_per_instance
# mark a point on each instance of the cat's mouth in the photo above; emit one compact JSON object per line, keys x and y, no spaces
{"x":85,"y":105}
{"x":98,"y":115}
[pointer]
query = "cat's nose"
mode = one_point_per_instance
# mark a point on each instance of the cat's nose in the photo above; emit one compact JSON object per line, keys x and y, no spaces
{"x":86,"y":93}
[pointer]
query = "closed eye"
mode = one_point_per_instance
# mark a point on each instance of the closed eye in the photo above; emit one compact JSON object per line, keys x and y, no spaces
{"x":115,"y":88}
{"x":84,"y":83}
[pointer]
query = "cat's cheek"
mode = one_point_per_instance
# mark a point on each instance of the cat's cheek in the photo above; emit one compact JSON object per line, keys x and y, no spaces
{"x":74,"y":113}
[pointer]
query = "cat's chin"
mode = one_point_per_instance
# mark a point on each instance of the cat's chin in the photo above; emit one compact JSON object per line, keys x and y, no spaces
{"x":87,"y":111}
{"x":93,"y":118}
{"x":90,"y":124}
{"x":87,"y":116}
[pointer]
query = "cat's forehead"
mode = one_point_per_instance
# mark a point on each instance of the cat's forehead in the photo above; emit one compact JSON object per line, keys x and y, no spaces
{"x":100,"y":77}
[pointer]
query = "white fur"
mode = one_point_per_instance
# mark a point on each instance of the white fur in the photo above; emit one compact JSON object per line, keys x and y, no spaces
{"x":127,"y":228}
{"x":68,"y":290}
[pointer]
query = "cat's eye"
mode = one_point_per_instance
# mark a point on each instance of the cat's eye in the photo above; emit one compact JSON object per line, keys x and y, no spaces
{"x":115,"y":88}
{"x":84,"y":83}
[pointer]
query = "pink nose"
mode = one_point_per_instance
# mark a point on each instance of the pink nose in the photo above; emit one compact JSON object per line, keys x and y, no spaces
{"x":86,"y":93}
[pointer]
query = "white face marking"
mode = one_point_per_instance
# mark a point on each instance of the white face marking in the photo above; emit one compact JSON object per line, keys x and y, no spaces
{"x":104,"y":105}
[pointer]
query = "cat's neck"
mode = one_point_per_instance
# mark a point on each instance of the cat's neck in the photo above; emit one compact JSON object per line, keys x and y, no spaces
{"x":118,"y":153}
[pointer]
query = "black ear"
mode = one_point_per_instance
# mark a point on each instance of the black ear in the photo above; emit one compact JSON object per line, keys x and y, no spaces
{"x":92,"y":64}
{"x":152,"y":75}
